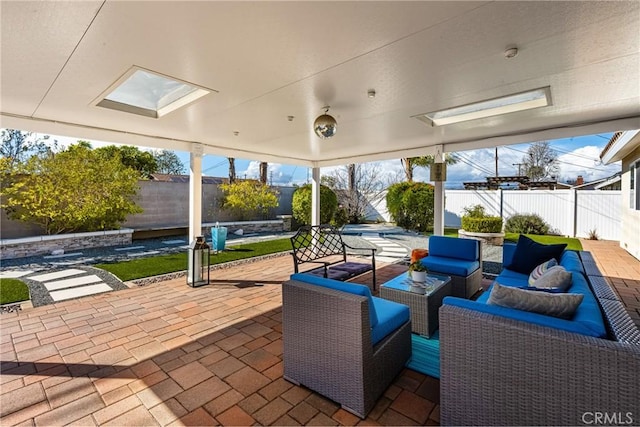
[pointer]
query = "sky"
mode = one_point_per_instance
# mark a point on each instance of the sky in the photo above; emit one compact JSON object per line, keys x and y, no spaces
{"x":576,"y":156}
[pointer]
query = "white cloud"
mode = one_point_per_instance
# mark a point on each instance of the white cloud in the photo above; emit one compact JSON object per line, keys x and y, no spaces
{"x":585,"y":161}
{"x":275,"y":173}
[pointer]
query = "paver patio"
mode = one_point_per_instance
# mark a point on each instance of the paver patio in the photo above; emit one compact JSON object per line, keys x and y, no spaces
{"x":168,"y":354}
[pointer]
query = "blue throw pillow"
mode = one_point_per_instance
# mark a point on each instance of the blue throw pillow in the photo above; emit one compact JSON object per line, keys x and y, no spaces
{"x":529,"y":254}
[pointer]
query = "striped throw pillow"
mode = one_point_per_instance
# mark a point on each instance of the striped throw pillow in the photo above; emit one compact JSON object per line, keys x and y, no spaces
{"x":540,"y":270}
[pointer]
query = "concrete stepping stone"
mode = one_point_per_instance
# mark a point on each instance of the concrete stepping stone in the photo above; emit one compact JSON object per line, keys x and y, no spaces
{"x":73,"y":282}
{"x":57,"y":275}
{"x":173,"y":242}
{"x":63,"y":255}
{"x":80,"y":291}
{"x":143,"y":253}
{"x":14,"y":274}
{"x":130,"y":248}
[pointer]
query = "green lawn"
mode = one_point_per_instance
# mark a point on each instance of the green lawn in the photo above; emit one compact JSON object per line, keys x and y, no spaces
{"x":572,"y":244}
{"x":13,"y":290}
{"x":154,"y":266}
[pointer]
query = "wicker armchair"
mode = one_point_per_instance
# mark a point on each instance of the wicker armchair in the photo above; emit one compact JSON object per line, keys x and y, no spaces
{"x":328,"y":347}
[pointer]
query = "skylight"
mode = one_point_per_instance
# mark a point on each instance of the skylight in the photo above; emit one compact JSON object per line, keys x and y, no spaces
{"x":149,"y":94}
{"x":492,"y":107}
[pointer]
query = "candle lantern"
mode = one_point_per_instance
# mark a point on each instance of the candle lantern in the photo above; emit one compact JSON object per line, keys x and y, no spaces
{"x":199,"y":261}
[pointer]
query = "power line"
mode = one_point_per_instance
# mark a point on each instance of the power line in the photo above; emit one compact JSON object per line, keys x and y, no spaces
{"x":563,"y":162}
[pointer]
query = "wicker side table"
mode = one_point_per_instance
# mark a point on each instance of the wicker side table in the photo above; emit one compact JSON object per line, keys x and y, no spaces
{"x":423,"y":307}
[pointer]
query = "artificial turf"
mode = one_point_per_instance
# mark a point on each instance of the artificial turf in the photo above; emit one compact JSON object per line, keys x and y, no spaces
{"x":13,"y":290}
{"x":163,"y":264}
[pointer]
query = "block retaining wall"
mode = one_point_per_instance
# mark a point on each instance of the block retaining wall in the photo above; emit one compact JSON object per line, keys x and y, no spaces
{"x":44,"y":245}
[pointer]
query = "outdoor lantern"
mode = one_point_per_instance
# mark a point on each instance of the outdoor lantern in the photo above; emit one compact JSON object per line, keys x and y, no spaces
{"x":198,"y":272}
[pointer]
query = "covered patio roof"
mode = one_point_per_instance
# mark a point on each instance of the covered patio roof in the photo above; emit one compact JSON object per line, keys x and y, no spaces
{"x":266,"y":61}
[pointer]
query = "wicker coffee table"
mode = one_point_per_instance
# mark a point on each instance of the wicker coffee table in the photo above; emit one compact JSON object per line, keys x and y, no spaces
{"x":423,"y":302}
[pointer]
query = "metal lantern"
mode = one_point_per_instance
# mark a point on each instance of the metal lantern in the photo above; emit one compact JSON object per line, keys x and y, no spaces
{"x":199,"y":261}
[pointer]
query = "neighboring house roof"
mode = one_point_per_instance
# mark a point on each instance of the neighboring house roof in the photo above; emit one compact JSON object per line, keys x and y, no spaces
{"x":620,"y":145}
{"x":599,"y":184}
{"x":185,"y":178}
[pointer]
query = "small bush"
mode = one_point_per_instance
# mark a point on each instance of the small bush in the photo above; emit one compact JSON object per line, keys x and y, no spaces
{"x":489,"y":224}
{"x":301,"y":204}
{"x":475,"y":211}
{"x":340,"y":218}
{"x":527,"y":224}
{"x":411,"y":205}
{"x":593,"y":235}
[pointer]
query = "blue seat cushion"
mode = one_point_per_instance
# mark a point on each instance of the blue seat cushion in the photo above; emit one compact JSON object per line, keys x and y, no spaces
{"x":571,"y":262}
{"x":352,"y":288}
{"x":391,"y":315}
{"x":331,"y":273}
{"x":453,"y":266}
{"x":453,"y":247}
{"x":353,"y":268}
{"x":529,"y":254}
{"x":512,"y":278}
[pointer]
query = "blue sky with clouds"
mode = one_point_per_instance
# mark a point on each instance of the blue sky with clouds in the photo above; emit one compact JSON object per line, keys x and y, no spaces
{"x":576,"y":156}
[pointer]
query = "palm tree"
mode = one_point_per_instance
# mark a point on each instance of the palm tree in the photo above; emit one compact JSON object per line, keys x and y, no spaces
{"x":232,"y":170}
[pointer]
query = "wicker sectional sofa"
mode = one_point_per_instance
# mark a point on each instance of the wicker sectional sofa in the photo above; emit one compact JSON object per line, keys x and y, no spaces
{"x":502,"y":366}
{"x":342,"y":342}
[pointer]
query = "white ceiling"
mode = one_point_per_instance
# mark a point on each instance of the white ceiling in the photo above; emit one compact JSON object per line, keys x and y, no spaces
{"x":269,"y":60}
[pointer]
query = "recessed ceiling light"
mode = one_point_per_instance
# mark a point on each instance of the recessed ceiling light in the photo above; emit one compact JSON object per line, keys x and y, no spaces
{"x":492,"y":107}
{"x":150,"y":94}
{"x":371,"y":93}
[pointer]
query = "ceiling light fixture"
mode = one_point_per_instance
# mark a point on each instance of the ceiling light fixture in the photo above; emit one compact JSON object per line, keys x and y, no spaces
{"x":536,"y":98}
{"x":325,"y":126}
{"x":371,"y":93}
{"x":511,"y":52}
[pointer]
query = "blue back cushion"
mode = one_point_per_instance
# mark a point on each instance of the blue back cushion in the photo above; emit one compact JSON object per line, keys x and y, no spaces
{"x":571,"y":262}
{"x":453,"y":247}
{"x":529,"y":254}
{"x":351,"y":288}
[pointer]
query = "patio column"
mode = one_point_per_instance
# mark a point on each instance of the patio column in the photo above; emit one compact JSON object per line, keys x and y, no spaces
{"x":438,"y":197}
{"x":195,"y":191}
{"x":315,"y":196}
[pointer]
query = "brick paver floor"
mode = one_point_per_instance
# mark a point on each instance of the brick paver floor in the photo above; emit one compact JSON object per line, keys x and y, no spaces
{"x":167,"y":354}
{"x":622,"y":270}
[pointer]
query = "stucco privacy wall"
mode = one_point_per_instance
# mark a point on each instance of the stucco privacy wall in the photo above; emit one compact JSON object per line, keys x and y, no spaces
{"x":44,"y":245}
{"x":165,"y":204}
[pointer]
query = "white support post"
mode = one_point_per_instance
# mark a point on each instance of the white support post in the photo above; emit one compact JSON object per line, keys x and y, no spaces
{"x":195,"y":191}
{"x":315,"y":196}
{"x":438,"y":197}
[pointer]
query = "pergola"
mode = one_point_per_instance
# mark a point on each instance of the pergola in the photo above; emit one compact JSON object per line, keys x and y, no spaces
{"x":270,"y":67}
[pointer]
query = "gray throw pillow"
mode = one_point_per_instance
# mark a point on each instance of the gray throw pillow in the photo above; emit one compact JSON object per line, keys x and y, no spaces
{"x":555,"y":277}
{"x":557,"y":305}
{"x":541,"y":269}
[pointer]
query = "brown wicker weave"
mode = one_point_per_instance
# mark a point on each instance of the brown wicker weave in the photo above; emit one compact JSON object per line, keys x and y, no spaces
{"x":327,"y":346}
{"x":500,"y":371}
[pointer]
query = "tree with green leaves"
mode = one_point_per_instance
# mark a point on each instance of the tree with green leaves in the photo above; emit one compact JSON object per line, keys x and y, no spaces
{"x":410,"y":163}
{"x":168,"y":162}
{"x":411,"y":205}
{"x":75,"y":190}
{"x":541,"y":161}
{"x":301,"y":204}
{"x":18,"y":146}
{"x":130,"y":156}
{"x":248,"y":198}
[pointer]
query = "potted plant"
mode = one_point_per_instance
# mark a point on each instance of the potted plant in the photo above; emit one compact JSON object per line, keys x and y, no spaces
{"x":418,"y":271}
{"x":476,"y":224}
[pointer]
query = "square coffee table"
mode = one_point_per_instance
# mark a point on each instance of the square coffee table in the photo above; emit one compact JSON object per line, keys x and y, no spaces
{"x":423,"y":302}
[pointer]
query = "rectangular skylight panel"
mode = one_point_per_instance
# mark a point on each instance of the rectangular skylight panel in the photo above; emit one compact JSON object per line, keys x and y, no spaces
{"x":149,"y":94}
{"x":491,"y":107}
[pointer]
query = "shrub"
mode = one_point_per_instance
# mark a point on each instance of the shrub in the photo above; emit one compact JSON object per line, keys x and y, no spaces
{"x":340,"y":218}
{"x":301,"y":204}
{"x":526,"y":224}
{"x":476,"y":220}
{"x":411,"y":205}
{"x":490,"y":224}
{"x":593,"y":234}
{"x":249,"y":198}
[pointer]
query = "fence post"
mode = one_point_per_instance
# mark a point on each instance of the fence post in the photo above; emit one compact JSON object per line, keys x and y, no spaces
{"x":501,"y":203}
{"x":574,"y":197}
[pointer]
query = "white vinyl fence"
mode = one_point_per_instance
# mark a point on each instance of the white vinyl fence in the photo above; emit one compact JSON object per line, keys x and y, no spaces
{"x":570,"y":212}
